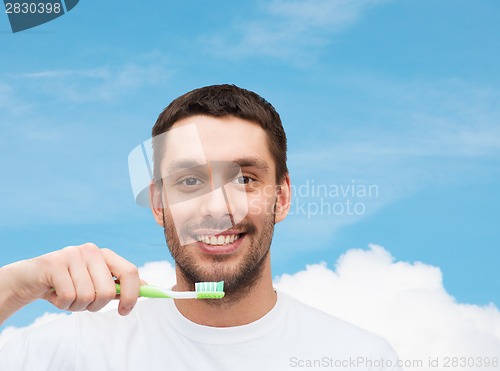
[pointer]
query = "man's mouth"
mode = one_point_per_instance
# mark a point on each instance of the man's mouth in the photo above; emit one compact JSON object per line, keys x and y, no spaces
{"x":219,"y":243}
{"x":218,"y":239}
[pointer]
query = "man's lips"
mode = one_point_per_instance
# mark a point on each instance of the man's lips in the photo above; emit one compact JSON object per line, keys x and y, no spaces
{"x":219,"y":243}
{"x":215,"y":232}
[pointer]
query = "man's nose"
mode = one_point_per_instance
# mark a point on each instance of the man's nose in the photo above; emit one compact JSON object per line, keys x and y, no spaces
{"x":214,"y":204}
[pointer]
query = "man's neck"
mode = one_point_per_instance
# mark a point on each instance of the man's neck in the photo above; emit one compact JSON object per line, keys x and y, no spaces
{"x":260,"y":299}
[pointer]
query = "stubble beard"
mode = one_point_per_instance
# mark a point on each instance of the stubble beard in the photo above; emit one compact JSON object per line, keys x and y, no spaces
{"x":239,"y":280}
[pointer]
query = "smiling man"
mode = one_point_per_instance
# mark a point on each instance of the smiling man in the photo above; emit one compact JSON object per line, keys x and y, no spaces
{"x":217,"y":181}
{"x":220,"y":185}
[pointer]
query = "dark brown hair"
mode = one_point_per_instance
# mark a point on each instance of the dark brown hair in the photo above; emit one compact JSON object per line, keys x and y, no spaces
{"x":229,"y":100}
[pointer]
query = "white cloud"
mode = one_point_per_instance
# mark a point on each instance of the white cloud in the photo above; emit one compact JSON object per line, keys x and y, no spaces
{"x":159,"y":273}
{"x":404,"y":302}
{"x":289,"y":30}
{"x":102,"y":83}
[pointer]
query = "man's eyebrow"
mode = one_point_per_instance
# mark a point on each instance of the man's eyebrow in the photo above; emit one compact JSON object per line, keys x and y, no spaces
{"x":252,"y":162}
{"x":183,"y":164}
{"x":177,"y":165}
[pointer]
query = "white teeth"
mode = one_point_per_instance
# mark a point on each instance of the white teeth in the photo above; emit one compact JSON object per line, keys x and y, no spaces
{"x":220,"y":240}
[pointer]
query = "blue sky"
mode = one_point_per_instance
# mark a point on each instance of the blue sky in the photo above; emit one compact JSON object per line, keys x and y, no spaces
{"x":402,"y":95}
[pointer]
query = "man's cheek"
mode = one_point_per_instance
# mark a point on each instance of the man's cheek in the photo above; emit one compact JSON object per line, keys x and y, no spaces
{"x":180,"y":214}
{"x":259,"y":206}
{"x":237,"y":203}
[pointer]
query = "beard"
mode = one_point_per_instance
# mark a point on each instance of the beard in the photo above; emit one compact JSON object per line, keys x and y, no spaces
{"x":238,"y":280}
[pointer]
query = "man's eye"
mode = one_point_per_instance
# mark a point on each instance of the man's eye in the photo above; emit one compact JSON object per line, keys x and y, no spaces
{"x":243,"y":180}
{"x":190,"y":182}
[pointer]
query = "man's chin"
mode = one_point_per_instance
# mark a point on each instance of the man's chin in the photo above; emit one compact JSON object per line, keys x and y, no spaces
{"x":228,"y":268}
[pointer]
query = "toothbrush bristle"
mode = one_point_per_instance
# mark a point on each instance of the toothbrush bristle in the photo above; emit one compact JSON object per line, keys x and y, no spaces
{"x":210,"y":290}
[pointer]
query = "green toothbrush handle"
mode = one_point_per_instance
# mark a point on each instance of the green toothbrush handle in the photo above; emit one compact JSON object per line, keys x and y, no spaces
{"x":148,"y":291}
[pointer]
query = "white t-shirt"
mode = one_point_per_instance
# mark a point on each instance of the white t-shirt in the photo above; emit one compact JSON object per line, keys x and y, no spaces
{"x":156,"y":336}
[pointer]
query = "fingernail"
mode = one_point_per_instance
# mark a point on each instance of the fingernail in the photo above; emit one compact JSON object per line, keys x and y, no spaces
{"x":125,"y":310}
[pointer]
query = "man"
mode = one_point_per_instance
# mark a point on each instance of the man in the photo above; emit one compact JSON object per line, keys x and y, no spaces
{"x":220,"y":185}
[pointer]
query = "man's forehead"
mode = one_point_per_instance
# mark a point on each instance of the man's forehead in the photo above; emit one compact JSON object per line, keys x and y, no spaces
{"x":182,"y":142}
{"x":187,"y":146}
{"x":241,"y":162}
{"x":217,"y":132}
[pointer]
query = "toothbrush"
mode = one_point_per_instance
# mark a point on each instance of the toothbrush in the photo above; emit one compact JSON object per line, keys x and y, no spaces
{"x":203,"y":290}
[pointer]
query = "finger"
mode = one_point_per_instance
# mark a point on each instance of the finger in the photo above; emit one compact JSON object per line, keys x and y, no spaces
{"x":128,"y":275}
{"x":64,"y":293}
{"x":84,"y":287}
{"x":104,"y":284}
{"x":142,"y":283}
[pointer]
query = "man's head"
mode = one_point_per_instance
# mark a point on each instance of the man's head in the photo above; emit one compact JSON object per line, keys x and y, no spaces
{"x":221,"y":184}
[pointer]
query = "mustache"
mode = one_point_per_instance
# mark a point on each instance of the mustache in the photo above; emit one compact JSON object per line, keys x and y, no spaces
{"x":211,"y":223}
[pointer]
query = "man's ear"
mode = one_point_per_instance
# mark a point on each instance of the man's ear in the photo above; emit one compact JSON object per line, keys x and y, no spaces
{"x":283,"y":199}
{"x":156,"y":203}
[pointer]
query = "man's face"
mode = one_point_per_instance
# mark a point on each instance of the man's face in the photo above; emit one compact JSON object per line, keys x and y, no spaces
{"x":219,"y":197}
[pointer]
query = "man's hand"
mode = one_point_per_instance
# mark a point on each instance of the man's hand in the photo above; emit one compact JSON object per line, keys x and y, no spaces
{"x":75,"y":278}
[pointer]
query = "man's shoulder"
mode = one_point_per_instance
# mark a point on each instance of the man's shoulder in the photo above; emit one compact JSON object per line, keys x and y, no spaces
{"x":312,"y":322}
{"x":317,"y":317}
{"x":69,"y":325}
